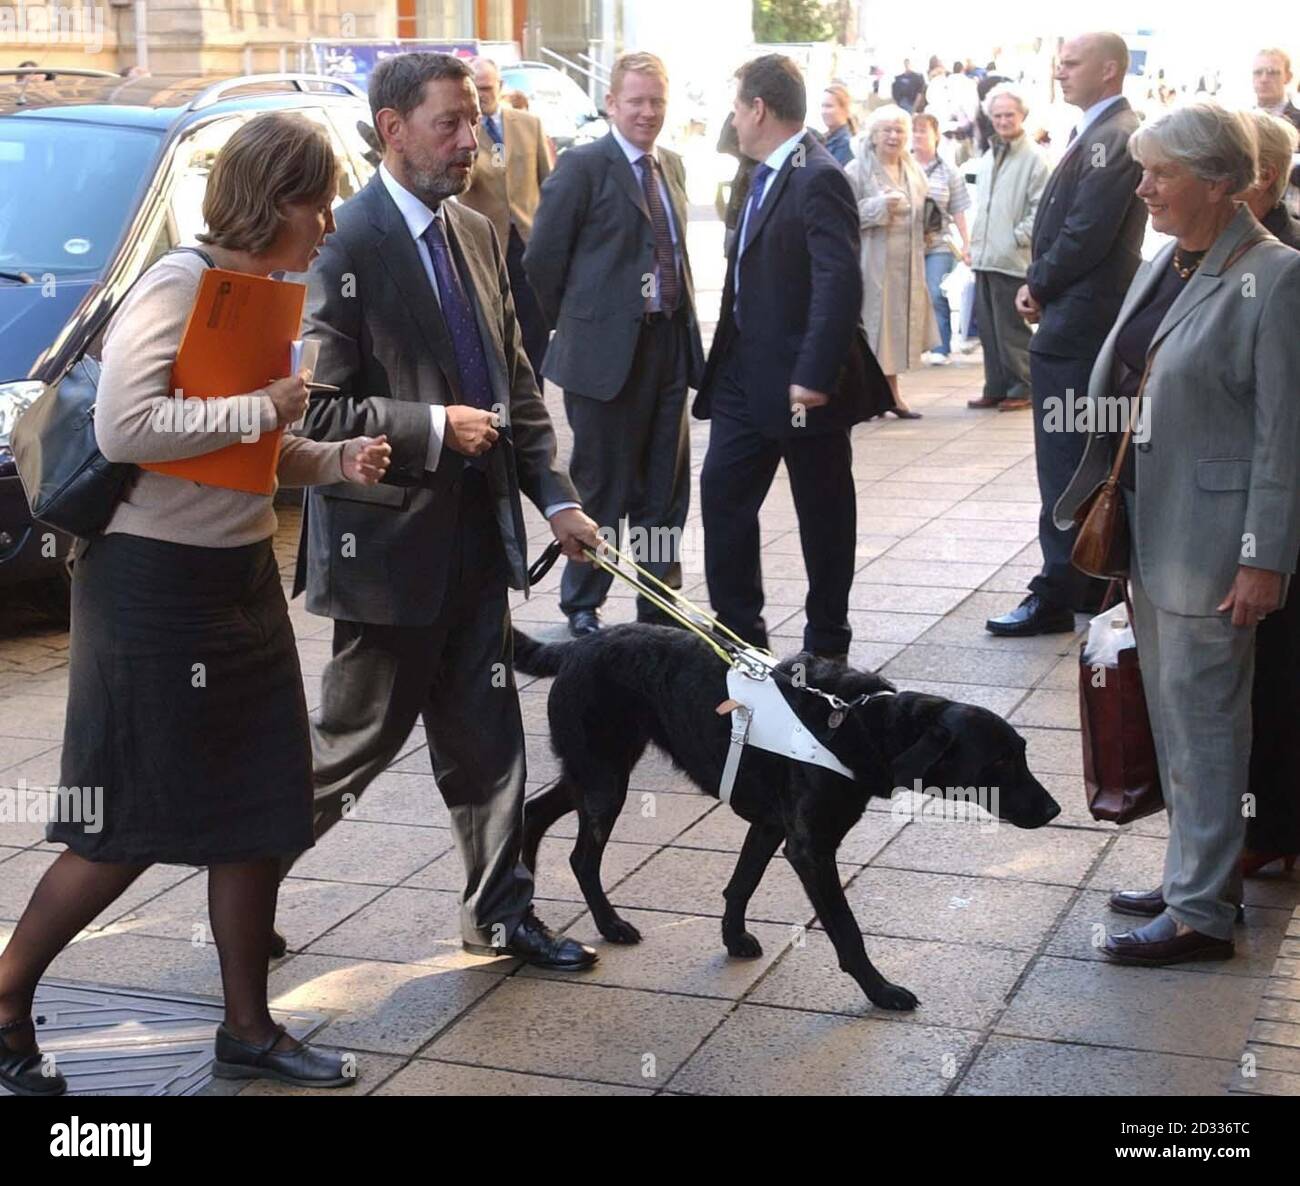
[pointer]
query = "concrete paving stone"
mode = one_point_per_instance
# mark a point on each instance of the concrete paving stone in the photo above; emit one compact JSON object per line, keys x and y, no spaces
{"x":946,"y":908}
{"x":582,"y":1031}
{"x":1276,"y":1033}
{"x":426,"y":1077}
{"x":959,"y":986}
{"x":722,"y":830}
{"x":871,"y":626}
{"x":995,"y":699}
{"x":1017,"y":1066}
{"x":395,"y":798}
{"x":941,"y":481}
{"x":1132,"y":862}
{"x":408,"y":926}
{"x":31,"y":758}
{"x":554,"y":878}
{"x":371,"y":1071}
{"x":18,"y":877}
{"x":1048,"y":709}
{"x":946,"y":573}
{"x":1083,"y":930}
{"x":1005,"y":489}
{"x":949,"y":547}
{"x":759,"y":1050}
{"x":691,"y":881}
{"x":978,"y":507}
{"x":1104,"y":1004}
{"x":677,"y":954}
{"x":1068,"y":791}
{"x":872,"y":656}
{"x":1274,"y":1058}
{"x":533,"y":710}
{"x":991,"y":848}
{"x":314,"y":655}
{"x":1031,"y":553}
{"x":382,"y":1007}
{"x":1268,"y":1083}
{"x":876,"y":520}
{"x":649,"y":817}
{"x":1055,"y":751}
{"x":1010,"y":578}
{"x":982,"y":606}
{"x":1064,"y":675}
{"x":22,"y":834}
{"x":1280,"y":891}
{"x":907,"y":599}
{"x":373,"y":854}
{"x":141,"y":961}
{"x":968,"y":665}
{"x":40,"y":718}
{"x":1276,"y":1009}
{"x":969,"y":632}
{"x":1016,"y":531}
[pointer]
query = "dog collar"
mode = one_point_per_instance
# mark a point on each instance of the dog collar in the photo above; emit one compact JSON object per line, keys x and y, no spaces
{"x":762,"y":718}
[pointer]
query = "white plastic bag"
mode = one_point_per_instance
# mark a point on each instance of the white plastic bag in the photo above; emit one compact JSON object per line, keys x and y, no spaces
{"x":1108,"y":634}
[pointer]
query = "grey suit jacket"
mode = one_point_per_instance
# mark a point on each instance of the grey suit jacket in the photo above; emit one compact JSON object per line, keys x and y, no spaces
{"x":380,"y":553}
{"x":1218,"y":479}
{"x":591,"y":249}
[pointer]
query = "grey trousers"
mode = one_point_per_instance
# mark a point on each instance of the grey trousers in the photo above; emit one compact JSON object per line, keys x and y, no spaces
{"x":1197,"y":674}
{"x":1004,"y":336}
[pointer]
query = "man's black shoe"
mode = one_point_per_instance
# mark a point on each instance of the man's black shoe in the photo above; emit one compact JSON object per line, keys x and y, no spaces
{"x":1032,"y":616}
{"x":584,"y":621}
{"x":535,"y":943}
{"x":1149,"y":903}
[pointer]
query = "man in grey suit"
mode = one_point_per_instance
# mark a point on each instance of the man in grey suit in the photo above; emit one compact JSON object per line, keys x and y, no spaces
{"x":608,"y":260}
{"x":1213,"y":497}
{"x":410,"y":301}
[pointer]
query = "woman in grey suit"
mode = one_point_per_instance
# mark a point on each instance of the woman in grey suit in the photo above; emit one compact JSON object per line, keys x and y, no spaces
{"x":1213,"y":500}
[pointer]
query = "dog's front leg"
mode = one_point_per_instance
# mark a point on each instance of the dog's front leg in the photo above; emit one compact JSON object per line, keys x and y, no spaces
{"x":761,"y":841}
{"x":821,"y":879}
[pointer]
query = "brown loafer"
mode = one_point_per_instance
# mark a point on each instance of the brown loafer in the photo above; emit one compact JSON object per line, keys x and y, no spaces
{"x":1149,"y":903}
{"x":1158,"y":943}
{"x":984,"y":401}
{"x":1014,"y":405}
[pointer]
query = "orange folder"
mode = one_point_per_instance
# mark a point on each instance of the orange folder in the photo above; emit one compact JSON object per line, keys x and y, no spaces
{"x":235,"y":342}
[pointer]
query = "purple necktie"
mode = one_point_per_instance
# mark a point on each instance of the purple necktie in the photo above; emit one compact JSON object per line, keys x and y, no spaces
{"x":458,"y":313}
{"x":665,"y":255}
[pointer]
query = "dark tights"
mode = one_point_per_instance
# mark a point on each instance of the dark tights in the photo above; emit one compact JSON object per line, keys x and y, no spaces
{"x":74,"y":891}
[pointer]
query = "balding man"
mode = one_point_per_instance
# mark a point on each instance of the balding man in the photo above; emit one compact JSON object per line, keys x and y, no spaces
{"x":514,"y":158}
{"x":1271,"y":76}
{"x":1086,"y":247}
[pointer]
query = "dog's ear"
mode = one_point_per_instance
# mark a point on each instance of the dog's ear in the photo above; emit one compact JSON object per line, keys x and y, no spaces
{"x":916,"y":761}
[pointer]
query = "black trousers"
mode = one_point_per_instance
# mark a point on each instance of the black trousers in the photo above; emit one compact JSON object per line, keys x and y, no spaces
{"x":533,"y":326}
{"x":1058,"y":449}
{"x":738,"y":471}
{"x":457,"y":676}
{"x":1275,"y":752}
{"x":632,"y":457}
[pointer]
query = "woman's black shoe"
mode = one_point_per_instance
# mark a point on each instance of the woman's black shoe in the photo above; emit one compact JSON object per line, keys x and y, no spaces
{"x":23,"y":1072}
{"x":903,"y":413}
{"x":279,"y":945}
{"x":303,"y":1066}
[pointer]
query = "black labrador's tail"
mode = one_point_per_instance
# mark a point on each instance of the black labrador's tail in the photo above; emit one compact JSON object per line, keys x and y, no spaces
{"x":536,"y":658}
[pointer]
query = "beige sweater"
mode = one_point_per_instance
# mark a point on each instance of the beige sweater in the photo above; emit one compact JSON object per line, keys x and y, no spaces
{"x":139,"y":349}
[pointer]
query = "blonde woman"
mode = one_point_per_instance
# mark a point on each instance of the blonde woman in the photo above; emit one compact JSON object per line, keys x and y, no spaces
{"x":891,"y":191}
{"x":841,"y":127}
{"x":185,"y":699}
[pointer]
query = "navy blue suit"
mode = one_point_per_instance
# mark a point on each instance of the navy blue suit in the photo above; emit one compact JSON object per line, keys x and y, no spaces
{"x":799,"y":314}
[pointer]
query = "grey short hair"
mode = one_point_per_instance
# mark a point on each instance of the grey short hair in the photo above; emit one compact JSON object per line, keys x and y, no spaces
{"x":1004,"y":90}
{"x":1275,"y":141}
{"x":1215,"y":144}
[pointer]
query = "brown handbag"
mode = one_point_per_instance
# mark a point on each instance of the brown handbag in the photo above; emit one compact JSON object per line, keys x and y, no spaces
{"x":1120,"y":774}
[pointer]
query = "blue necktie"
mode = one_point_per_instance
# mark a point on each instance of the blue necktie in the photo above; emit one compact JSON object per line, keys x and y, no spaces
{"x":458,"y":313}
{"x":490,"y":123}
{"x":756,"y":186}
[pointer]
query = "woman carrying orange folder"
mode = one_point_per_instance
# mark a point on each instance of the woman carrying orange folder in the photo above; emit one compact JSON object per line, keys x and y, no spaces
{"x":185,"y":701}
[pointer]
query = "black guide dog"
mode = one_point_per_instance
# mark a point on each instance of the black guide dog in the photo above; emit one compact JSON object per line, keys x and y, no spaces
{"x":617,"y":690}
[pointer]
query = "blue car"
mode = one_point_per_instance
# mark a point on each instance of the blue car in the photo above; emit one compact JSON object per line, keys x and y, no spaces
{"x":99,"y":176}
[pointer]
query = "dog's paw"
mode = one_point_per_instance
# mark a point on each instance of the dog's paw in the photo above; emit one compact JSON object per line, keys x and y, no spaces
{"x":743,"y":946}
{"x":618,"y":931}
{"x":893,"y":996}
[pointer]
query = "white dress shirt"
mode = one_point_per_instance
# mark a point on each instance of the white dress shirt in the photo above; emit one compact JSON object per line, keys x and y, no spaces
{"x":418,"y":218}
{"x":775,"y":161}
{"x":633,"y":155}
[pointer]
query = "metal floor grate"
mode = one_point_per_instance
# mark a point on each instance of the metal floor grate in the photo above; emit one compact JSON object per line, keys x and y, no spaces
{"x":121,"y":1041}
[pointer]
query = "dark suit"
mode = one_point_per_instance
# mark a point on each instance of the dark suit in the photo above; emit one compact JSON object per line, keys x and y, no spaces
{"x":800,"y":304}
{"x":1087,"y":241}
{"x":415,"y":571}
{"x":624,"y":376}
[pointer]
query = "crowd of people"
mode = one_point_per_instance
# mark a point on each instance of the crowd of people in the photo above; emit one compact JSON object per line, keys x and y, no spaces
{"x":437,"y":320}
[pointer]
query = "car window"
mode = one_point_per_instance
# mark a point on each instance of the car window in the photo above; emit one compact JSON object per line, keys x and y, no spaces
{"x":350,"y":181}
{"x":193,"y":163}
{"x":67,"y":192}
{"x":364,"y":153}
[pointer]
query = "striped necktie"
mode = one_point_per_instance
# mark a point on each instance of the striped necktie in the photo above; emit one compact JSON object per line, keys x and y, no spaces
{"x":665,"y":254}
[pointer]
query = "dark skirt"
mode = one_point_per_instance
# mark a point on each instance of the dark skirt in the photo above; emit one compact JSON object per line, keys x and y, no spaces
{"x":1275,"y":749}
{"x":185,"y":704}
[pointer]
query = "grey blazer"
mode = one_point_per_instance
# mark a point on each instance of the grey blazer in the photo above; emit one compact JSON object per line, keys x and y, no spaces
{"x":1218,"y":479}
{"x":588,"y":257}
{"x":380,"y":553}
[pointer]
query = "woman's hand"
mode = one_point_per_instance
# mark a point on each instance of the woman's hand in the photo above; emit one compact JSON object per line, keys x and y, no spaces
{"x":365,"y":459}
{"x":1255,"y":593}
{"x":290,"y":397}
